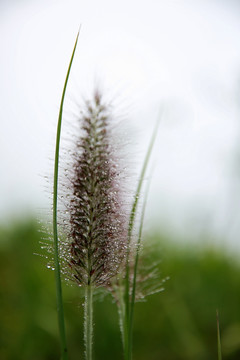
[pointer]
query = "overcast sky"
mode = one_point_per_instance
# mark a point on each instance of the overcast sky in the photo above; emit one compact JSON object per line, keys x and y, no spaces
{"x":181,"y":55}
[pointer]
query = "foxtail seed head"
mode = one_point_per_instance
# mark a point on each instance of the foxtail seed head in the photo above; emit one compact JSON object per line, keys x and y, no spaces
{"x":96,"y":241}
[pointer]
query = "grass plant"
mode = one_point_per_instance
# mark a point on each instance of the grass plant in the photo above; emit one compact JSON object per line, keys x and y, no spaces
{"x":97,"y":239}
{"x":98,"y":250}
{"x":96,"y":229}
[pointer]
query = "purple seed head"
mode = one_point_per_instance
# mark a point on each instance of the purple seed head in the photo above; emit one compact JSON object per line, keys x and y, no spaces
{"x":97,"y":232}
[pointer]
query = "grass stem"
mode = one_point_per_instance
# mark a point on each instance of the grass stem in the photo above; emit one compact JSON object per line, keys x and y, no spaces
{"x":88,"y":321}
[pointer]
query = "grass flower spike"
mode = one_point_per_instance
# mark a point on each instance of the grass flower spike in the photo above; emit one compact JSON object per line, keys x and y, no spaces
{"x":97,"y":233}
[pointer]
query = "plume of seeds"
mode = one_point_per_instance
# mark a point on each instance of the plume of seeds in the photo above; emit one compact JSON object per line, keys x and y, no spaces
{"x":96,"y":241}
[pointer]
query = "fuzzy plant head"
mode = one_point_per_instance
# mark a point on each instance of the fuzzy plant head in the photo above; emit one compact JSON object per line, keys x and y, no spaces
{"x":96,"y":240}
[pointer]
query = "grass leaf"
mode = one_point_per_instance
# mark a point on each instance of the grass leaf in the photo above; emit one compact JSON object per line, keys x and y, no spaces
{"x":61,"y":324}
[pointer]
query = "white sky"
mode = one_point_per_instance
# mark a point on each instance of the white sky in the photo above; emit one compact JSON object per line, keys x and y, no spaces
{"x":184,"y":55}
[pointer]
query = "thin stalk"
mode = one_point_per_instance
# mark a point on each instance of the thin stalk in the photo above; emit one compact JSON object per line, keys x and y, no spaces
{"x":121,"y":310}
{"x":127,"y":353}
{"x":128,"y":345}
{"x":61,"y":324}
{"x":88,"y":321}
{"x":219,"y":338}
{"x":136,"y":265}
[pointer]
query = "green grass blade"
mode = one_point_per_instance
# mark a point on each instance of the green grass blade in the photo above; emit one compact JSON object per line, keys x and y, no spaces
{"x":219,"y":338}
{"x":61,"y":324}
{"x":133,"y":296}
{"x":127,"y":328}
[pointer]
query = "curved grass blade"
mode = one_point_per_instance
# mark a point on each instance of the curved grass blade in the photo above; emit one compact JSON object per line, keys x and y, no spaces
{"x":131,"y":314}
{"x":133,"y":295}
{"x":127,"y":328}
{"x":61,"y":324}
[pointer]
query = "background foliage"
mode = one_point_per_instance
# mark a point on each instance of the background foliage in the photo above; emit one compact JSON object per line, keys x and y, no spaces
{"x":178,"y":323}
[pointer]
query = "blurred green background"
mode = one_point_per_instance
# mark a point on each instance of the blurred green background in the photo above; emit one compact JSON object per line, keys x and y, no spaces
{"x":178,"y":323}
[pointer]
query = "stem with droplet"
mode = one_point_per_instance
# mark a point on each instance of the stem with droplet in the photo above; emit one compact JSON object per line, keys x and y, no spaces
{"x":88,"y":321}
